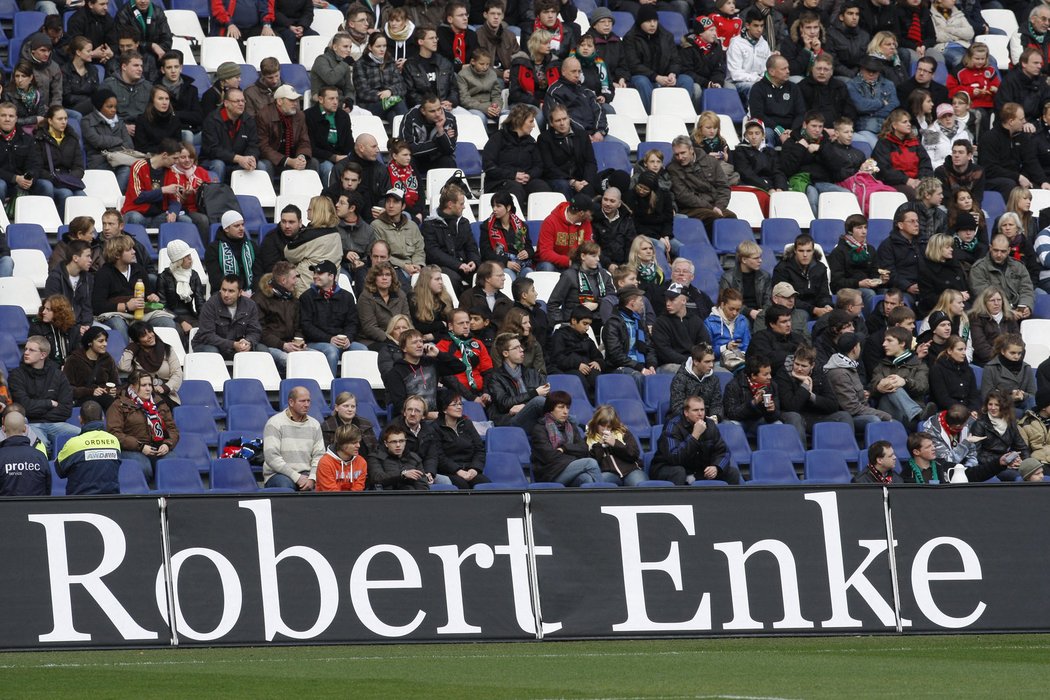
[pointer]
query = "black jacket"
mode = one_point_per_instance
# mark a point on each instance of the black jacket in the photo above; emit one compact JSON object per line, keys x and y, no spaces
{"x":405,"y":379}
{"x":506,"y":154}
{"x":951,"y":383}
{"x":35,"y":389}
{"x":317,"y":127}
{"x":217,"y":143}
{"x":459,"y":448}
{"x":845,"y":272}
{"x":570,"y":349}
{"x":615,"y":237}
{"x":78,"y":89}
{"x":569,"y":157}
{"x":18,"y":156}
{"x":650,"y":55}
{"x":936,"y":278}
{"x":449,"y":243}
{"x":100,"y":29}
{"x":654,"y":218}
{"x":704,"y":67}
{"x":774,"y":347}
{"x":25,"y":471}
{"x":674,"y":337}
{"x":547,"y":462}
{"x":1030,"y":93}
{"x":810,"y":283}
{"x":375,"y":181}
{"x":415,"y":72}
{"x":213,"y":263}
{"x":1006,"y":156}
{"x":323,"y":318}
{"x":174,"y":303}
{"x":58,"y":283}
{"x":156,"y":30}
{"x":616,"y":337}
{"x":187,"y":104}
{"x":504,"y":392}
{"x":781,"y":106}
{"x":840,"y":161}
{"x":676,"y":447}
{"x":112,"y":287}
{"x":740,"y":403}
{"x":848,"y":46}
{"x":149,"y":134}
{"x":759,"y":168}
{"x":993,"y":447}
{"x":901,"y":257}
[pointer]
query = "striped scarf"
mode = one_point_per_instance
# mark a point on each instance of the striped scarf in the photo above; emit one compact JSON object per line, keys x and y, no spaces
{"x":232,"y":266}
{"x":154,"y":422}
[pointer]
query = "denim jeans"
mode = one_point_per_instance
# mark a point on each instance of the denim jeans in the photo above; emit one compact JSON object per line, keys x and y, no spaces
{"x":899,"y":405}
{"x":7,"y":266}
{"x":50,"y":432}
{"x":580,"y":471}
{"x":676,"y":246}
{"x":280,"y":481}
{"x":632,"y":479}
{"x":531,"y":412}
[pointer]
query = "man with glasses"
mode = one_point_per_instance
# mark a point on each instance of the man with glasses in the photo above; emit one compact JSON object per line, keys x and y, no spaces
{"x":230,"y":139}
{"x":395,"y":467}
{"x":900,"y":252}
{"x":881,"y":464}
{"x":45,"y":393}
{"x":292,"y":445}
{"x":925,"y":68}
{"x":1034,"y":35}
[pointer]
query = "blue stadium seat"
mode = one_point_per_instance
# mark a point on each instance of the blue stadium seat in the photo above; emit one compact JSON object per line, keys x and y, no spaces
{"x":58,"y":484}
{"x":654,"y":483}
{"x":632,"y":415}
{"x":608,"y":154}
{"x":200,"y":7}
{"x":468,"y":159}
{"x":443,"y":487}
{"x":178,"y":476}
{"x":728,"y":234}
{"x":131,"y":478}
{"x":862,"y":460}
{"x":201,"y":79}
{"x":827,"y":467}
{"x":691,"y":232}
{"x":534,"y":231}
{"x":8,"y":9}
{"x":723,"y":101}
{"x":117,"y":342}
{"x":829,"y":435}
{"x":318,"y":406}
{"x":249,"y":75}
{"x":254,"y":218}
{"x":622,"y":23}
{"x":826,"y":233}
{"x":27,"y":23}
{"x":504,"y":468}
{"x":663,"y":146}
{"x":869,"y":308}
{"x":232,"y":474}
{"x":197,"y":392}
{"x":777,"y":233}
{"x":360,"y":388}
{"x":783,"y":439}
{"x":499,"y":486}
{"x":14,"y":321}
{"x":878,"y":231}
{"x":368,"y":412}
{"x":510,"y":439}
{"x":674,"y":23}
{"x":736,"y":440}
{"x":1042,"y":306}
{"x":656,"y":388}
{"x":182,"y":232}
{"x":769,"y":259}
{"x":191,"y":420}
{"x":247,"y":418}
{"x":581,"y":409}
{"x":475,"y":231}
{"x":193,"y":447}
{"x":10,"y":355}
{"x":978,"y":372}
{"x":772,"y":467}
{"x":616,"y":386}
{"x":296,"y":75}
{"x":544,"y":486}
{"x":994,"y":206}
{"x":29,"y":236}
{"x":474,"y":411}
{"x":246,"y":390}
{"x":888,"y":430}
{"x":599,"y":485}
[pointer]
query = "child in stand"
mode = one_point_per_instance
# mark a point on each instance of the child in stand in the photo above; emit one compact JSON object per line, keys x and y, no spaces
{"x":403,"y":176}
{"x":341,"y":468}
{"x":707,"y":135}
{"x":481,"y":327}
{"x":653,"y":162}
{"x":727,"y":22}
{"x":480,"y":87}
{"x":965,"y":117}
{"x":758,"y":165}
{"x":979,"y":80}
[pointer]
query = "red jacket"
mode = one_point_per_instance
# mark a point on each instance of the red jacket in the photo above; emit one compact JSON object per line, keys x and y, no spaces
{"x":969,"y":79}
{"x":727,"y":28}
{"x":191,"y":183}
{"x":481,"y":363}
{"x":559,"y":238}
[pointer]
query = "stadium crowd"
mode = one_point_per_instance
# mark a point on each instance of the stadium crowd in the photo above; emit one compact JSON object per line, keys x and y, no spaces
{"x":636,"y":332}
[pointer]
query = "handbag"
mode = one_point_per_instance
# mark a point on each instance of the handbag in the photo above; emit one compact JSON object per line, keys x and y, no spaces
{"x":732,"y":359}
{"x":124,"y":157}
{"x":69,"y":182}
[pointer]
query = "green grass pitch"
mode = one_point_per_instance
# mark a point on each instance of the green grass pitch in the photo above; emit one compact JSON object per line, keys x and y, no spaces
{"x":991,"y":666}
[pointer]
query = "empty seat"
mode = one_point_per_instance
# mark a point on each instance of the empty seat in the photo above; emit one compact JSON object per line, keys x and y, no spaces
{"x":691,"y":232}
{"x":541,"y":204}
{"x":192,"y":447}
{"x":745,"y":205}
{"x":615,"y":386}
{"x":674,"y":101}
{"x":208,"y":367}
{"x":656,"y":388}
{"x":28,"y":236}
{"x":892,"y":431}
{"x":736,"y":440}
{"x":791,"y":205}
{"x":232,"y":474}
{"x":191,"y":420}
{"x":728,"y":234}
{"x":509,"y":439}
{"x":36,"y":209}
{"x":175,"y":475}
{"x":31,"y":264}
{"x":826,"y":232}
{"x":131,"y":478}
{"x":20,"y":292}
{"x":363,"y":364}
{"x":827,"y":467}
{"x":246,"y":390}
{"x":628,"y":103}
{"x":258,"y":184}
{"x":837,"y":205}
{"x":216,"y":50}
{"x":611,"y":155}
{"x":772,"y":467}
{"x":247,"y":418}
{"x":504,"y":468}
{"x":723,"y":101}
{"x":632,"y":415}
{"x":258,"y":365}
{"x":83,"y":205}
{"x":829,"y":435}
{"x":310,"y":364}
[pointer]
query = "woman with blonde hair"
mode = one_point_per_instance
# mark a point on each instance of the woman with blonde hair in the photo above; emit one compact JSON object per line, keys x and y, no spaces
{"x":884,"y":47}
{"x":952,"y":303}
{"x":748,"y":277}
{"x":518,"y":322}
{"x":707,"y":135}
{"x":533,"y":70}
{"x":642,"y":257}
{"x":429,"y":303}
{"x":940,"y":272}
{"x":614,"y":447}
{"x":390,"y":348}
{"x":320,"y":241}
{"x":1020,"y":202}
{"x":990,"y":317}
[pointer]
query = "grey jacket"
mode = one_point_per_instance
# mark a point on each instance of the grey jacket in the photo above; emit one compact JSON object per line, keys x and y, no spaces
{"x":1014,"y":280}
{"x":218,"y":329}
{"x":329,"y":69}
{"x":997,"y":376}
{"x":842,"y":377}
{"x":100,"y":136}
{"x":964,"y":451}
{"x":131,"y":99}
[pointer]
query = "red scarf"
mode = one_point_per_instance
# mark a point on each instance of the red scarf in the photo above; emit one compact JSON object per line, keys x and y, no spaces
{"x":286,"y":122}
{"x":406,"y":178}
{"x":557,"y":32}
{"x":757,"y":390}
{"x":232,"y":126}
{"x":915,"y":29}
{"x":153,"y":420}
{"x":879,"y":477}
{"x":699,"y":43}
{"x":952,"y":433}
{"x":459,"y":47}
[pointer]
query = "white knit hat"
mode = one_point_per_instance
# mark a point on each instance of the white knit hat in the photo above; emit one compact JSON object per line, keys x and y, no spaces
{"x":177,"y":250}
{"x":230,"y":218}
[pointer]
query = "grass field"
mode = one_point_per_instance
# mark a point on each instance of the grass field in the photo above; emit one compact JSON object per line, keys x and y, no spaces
{"x":1001,"y":666}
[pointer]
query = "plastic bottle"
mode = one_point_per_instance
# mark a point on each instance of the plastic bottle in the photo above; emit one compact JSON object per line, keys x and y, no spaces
{"x":140,"y":293}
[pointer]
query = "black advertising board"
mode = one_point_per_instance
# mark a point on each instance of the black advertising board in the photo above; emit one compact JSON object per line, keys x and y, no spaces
{"x":695,"y":562}
{"x":82,"y":572}
{"x":335,"y":568}
{"x":972,"y":559}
